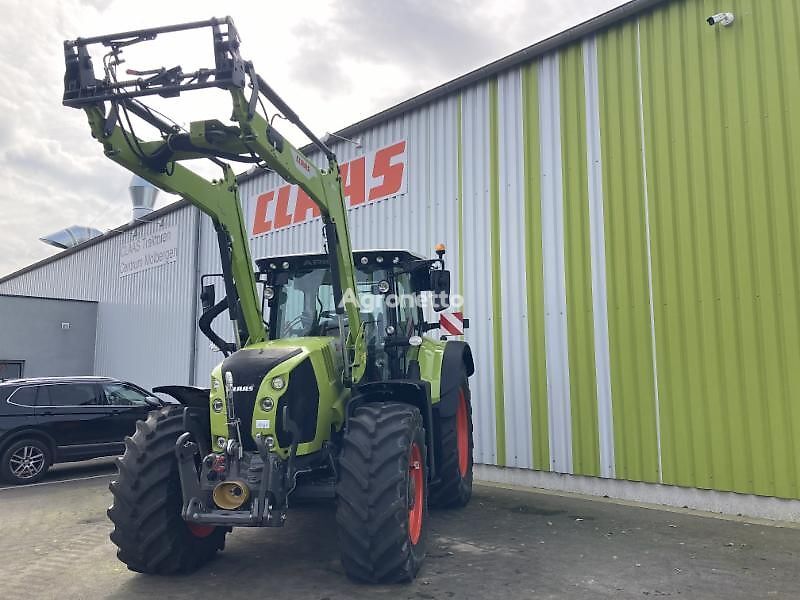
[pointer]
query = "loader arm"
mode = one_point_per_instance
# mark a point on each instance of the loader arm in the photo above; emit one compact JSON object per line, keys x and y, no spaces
{"x":107,"y":100}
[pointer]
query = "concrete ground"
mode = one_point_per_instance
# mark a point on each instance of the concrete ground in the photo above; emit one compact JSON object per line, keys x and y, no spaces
{"x":506,"y":544}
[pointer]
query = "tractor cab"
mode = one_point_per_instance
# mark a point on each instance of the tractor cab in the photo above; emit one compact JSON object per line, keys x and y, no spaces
{"x":395,"y":290}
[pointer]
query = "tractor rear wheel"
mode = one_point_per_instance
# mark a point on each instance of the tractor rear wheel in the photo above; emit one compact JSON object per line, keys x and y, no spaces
{"x":150,"y":534}
{"x":454,"y":488}
{"x":382,"y":493}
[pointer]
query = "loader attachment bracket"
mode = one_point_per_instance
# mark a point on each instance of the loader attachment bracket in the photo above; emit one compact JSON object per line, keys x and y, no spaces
{"x":82,"y":87}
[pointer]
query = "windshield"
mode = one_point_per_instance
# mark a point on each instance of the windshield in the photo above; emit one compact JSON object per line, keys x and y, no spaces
{"x":305,"y":305}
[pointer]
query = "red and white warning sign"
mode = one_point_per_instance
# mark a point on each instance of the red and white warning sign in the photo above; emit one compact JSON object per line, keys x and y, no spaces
{"x":452,"y":323}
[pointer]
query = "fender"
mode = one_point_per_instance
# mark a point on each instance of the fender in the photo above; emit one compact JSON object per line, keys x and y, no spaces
{"x":18,"y":434}
{"x":457,"y":362}
{"x":186,"y":394}
{"x":415,"y":393}
{"x":196,"y":414}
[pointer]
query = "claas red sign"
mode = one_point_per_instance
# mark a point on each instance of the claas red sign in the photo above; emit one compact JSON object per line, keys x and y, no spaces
{"x":369,"y":178}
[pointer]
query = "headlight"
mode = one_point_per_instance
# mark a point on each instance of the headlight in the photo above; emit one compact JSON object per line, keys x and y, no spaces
{"x":278,"y":383}
{"x":269,"y":292}
{"x":221,"y":441}
{"x":217,"y":405}
{"x":267,"y":404}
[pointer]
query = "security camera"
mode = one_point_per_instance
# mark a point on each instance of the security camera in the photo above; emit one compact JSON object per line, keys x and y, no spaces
{"x":724,"y":19}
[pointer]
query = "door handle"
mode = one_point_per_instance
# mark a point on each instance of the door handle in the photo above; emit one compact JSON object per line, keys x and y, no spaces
{"x":47,"y":413}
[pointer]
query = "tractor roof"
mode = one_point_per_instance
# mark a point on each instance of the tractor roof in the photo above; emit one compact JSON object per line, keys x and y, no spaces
{"x":361,"y":258}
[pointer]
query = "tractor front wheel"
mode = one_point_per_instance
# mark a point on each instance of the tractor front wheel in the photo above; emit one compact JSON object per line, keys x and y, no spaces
{"x":382,"y":493}
{"x":148,"y":528}
{"x":454,"y":488}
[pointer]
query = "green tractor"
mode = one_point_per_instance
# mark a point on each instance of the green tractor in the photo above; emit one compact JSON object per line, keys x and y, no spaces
{"x":330,"y":389}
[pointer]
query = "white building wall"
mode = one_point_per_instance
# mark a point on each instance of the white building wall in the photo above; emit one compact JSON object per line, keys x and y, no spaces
{"x":146,"y":321}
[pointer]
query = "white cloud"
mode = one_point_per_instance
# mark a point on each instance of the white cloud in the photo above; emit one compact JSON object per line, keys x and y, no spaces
{"x":334,"y":63}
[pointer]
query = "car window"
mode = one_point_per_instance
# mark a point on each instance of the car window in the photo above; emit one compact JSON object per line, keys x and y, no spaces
{"x":121,"y":394}
{"x":69,"y":394}
{"x":24,"y":396}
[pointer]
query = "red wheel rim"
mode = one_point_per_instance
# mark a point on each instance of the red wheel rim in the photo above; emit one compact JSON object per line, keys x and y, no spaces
{"x":200,"y":531}
{"x":416,"y":493}
{"x":462,"y":434}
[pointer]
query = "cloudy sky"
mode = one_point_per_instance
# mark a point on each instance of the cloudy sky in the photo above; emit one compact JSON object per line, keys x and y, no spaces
{"x":333,"y":62}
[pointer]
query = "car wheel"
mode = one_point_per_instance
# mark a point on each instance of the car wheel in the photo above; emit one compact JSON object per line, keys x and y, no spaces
{"x":25,"y":461}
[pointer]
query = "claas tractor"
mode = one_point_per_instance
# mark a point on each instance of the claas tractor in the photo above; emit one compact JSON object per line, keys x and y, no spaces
{"x":329,"y":389}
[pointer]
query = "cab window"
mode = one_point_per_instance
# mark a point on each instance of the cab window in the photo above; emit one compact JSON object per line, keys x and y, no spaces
{"x":408,"y":317}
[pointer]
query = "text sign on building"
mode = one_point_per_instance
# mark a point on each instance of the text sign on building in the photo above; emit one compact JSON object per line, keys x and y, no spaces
{"x":143,"y":250}
{"x":369,"y":178}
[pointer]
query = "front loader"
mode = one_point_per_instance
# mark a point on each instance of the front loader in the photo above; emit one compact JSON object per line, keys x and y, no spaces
{"x":329,"y":389}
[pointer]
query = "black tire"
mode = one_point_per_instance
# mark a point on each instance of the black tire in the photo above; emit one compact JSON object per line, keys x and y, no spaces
{"x":26,"y":461}
{"x":149,"y":532}
{"x":454,"y":488}
{"x":374,"y":493}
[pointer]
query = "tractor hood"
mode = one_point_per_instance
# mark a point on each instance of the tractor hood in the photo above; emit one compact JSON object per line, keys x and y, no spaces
{"x":248,"y":368}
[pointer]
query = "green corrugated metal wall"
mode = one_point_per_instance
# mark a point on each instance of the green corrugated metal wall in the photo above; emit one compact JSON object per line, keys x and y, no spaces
{"x":722,"y":138}
{"x":696,"y":172}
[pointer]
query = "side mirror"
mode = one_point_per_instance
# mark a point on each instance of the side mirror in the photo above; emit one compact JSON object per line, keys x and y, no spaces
{"x":208,"y":297}
{"x":440,"y":286}
{"x":153,"y":401}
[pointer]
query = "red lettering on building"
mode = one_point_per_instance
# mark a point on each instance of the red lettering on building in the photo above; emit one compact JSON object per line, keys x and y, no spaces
{"x":303,"y":206}
{"x":260,"y":222}
{"x":374,"y":176}
{"x":354,"y":181}
{"x":282,"y":217}
{"x":391,"y":174}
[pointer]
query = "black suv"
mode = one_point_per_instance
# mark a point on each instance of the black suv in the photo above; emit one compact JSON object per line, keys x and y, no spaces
{"x":62,"y":419}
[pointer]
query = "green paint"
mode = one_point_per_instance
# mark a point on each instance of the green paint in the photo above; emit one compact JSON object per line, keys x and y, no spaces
{"x":630,"y":339}
{"x":578,"y":268}
{"x":534,"y":283}
{"x":726,"y":250}
{"x":332,"y":394}
{"x":497,"y":313}
{"x":430,"y":354}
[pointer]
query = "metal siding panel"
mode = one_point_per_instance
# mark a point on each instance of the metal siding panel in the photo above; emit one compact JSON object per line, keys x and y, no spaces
{"x":630,"y":336}
{"x":495,"y":274}
{"x":555,"y":300}
{"x":577,"y":250}
{"x":605,"y":415}
{"x":512,"y":271}
{"x":475,"y":122}
{"x":725,"y":242}
{"x":534,"y":269}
